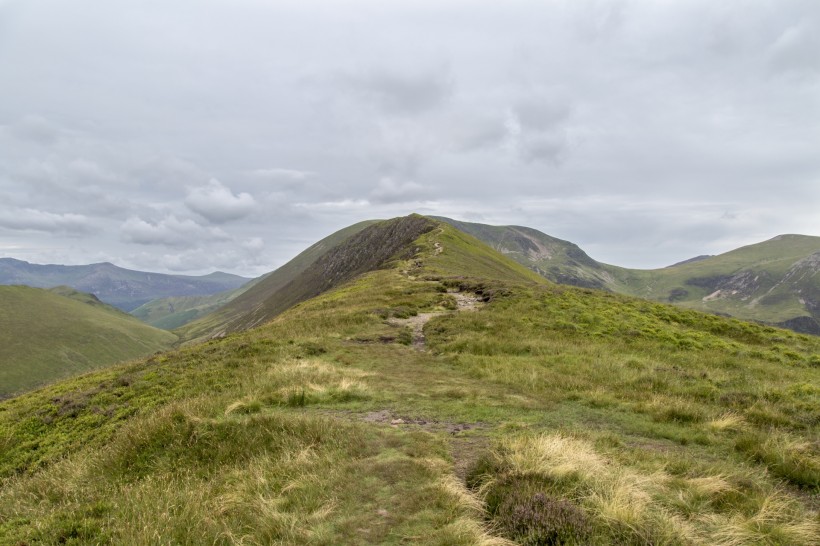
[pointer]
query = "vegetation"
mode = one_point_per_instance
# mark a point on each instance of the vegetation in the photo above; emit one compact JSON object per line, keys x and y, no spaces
{"x":175,"y":312}
{"x":261,"y":290}
{"x":48,"y":335}
{"x":773,"y":282}
{"x":549,"y":415}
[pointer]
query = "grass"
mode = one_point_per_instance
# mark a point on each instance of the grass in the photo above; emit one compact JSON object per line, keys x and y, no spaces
{"x":577,"y":417}
{"x":49,"y":335}
{"x":771,"y":286}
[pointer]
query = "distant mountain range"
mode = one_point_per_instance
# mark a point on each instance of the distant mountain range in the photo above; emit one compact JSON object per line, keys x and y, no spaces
{"x":123,"y":288}
{"x":776,"y":281}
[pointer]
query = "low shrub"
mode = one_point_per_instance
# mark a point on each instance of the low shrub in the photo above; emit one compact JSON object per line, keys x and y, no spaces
{"x":540,"y":519}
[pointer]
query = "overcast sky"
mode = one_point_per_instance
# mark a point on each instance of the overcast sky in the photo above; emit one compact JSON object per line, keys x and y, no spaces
{"x":195,"y":135}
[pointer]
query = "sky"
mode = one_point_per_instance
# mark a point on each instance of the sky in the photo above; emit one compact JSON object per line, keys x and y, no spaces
{"x":201,"y":135}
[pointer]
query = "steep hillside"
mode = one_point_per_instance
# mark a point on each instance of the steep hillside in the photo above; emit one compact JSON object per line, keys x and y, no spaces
{"x":175,"y":312}
{"x":122,"y":288}
{"x":448,"y":396}
{"x":320,"y":267}
{"x":48,"y":335}
{"x":555,"y":259}
{"x":775,"y":282}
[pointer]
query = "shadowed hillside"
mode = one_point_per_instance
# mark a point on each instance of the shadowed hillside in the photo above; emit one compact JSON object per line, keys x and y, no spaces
{"x":358,"y":249}
{"x":433,"y":392}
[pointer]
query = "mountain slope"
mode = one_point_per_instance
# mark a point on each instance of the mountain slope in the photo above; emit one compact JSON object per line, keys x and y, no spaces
{"x":48,"y":335}
{"x":122,"y":288}
{"x":555,"y":259}
{"x":251,"y":307}
{"x":448,"y":396}
{"x":776,"y":281}
{"x":175,"y":312}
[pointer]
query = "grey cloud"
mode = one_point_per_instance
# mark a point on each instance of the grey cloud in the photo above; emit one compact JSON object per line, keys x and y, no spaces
{"x":27,"y":219}
{"x":552,"y":147}
{"x":219,"y":204}
{"x":796,"y":49}
{"x":169,"y":231}
{"x":390,"y":190}
{"x":403,"y":92}
{"x":276,"y":174}
{"x":35,"y":129}
{"x":542,"y":111}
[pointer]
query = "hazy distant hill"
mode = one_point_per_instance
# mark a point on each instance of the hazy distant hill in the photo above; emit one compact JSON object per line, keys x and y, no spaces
{"x":776,"y":281}
{"x":51,"y":334}
{"x":122,"y":288}
{"x":174,"y":312}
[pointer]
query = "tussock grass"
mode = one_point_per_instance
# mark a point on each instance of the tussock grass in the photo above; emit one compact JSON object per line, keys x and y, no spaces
{"x":626,"y":506}
{"x":729,"y":421}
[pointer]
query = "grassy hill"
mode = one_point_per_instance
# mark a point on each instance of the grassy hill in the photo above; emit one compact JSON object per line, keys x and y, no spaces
{"x":48,"y":335}
{"x":123,"y":288}
{"x":237,"y":313}
{"x":775,"y":282}
{"x":449,"y":396}
{"x":175,"y":312}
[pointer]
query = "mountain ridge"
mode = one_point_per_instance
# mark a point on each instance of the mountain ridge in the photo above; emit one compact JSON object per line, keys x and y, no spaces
{"x":774,"y":281}
{"x":126,"y":289}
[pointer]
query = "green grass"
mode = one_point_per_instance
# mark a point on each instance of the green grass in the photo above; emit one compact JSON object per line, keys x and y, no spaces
{"x":262,"y":289}
{"x":549,"y":412}
{"x":49,"y":335}
{"x":173,"y":313}
{"x":771,"y":284}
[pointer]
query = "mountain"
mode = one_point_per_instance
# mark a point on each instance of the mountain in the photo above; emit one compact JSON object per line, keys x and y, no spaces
{"x":175,"y":312}
{"x":774,"y":282}
{"x":122,"y":288}
{"x":237,"y":313}
{"x":47,"y":335}
{"x":430,"y":390}
{"x":555,"y":259}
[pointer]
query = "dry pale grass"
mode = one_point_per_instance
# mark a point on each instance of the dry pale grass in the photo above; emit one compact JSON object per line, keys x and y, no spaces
{"x":555,"y":456}
{"x":729,"y":421}
{"x":655,"y":507}
{"x":779,"y":520}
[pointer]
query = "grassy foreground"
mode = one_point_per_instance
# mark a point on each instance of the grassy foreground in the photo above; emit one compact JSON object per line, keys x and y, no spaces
{"x":551,"y":415}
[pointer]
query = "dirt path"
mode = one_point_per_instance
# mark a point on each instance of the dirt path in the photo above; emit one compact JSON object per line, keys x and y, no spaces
{"x":464,"y":302}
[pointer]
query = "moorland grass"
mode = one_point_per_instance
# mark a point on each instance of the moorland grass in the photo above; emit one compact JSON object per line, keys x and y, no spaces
{"x":580,"y":417}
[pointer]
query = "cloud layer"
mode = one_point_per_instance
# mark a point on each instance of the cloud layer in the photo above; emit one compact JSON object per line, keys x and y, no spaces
{"x":231,"y":135}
